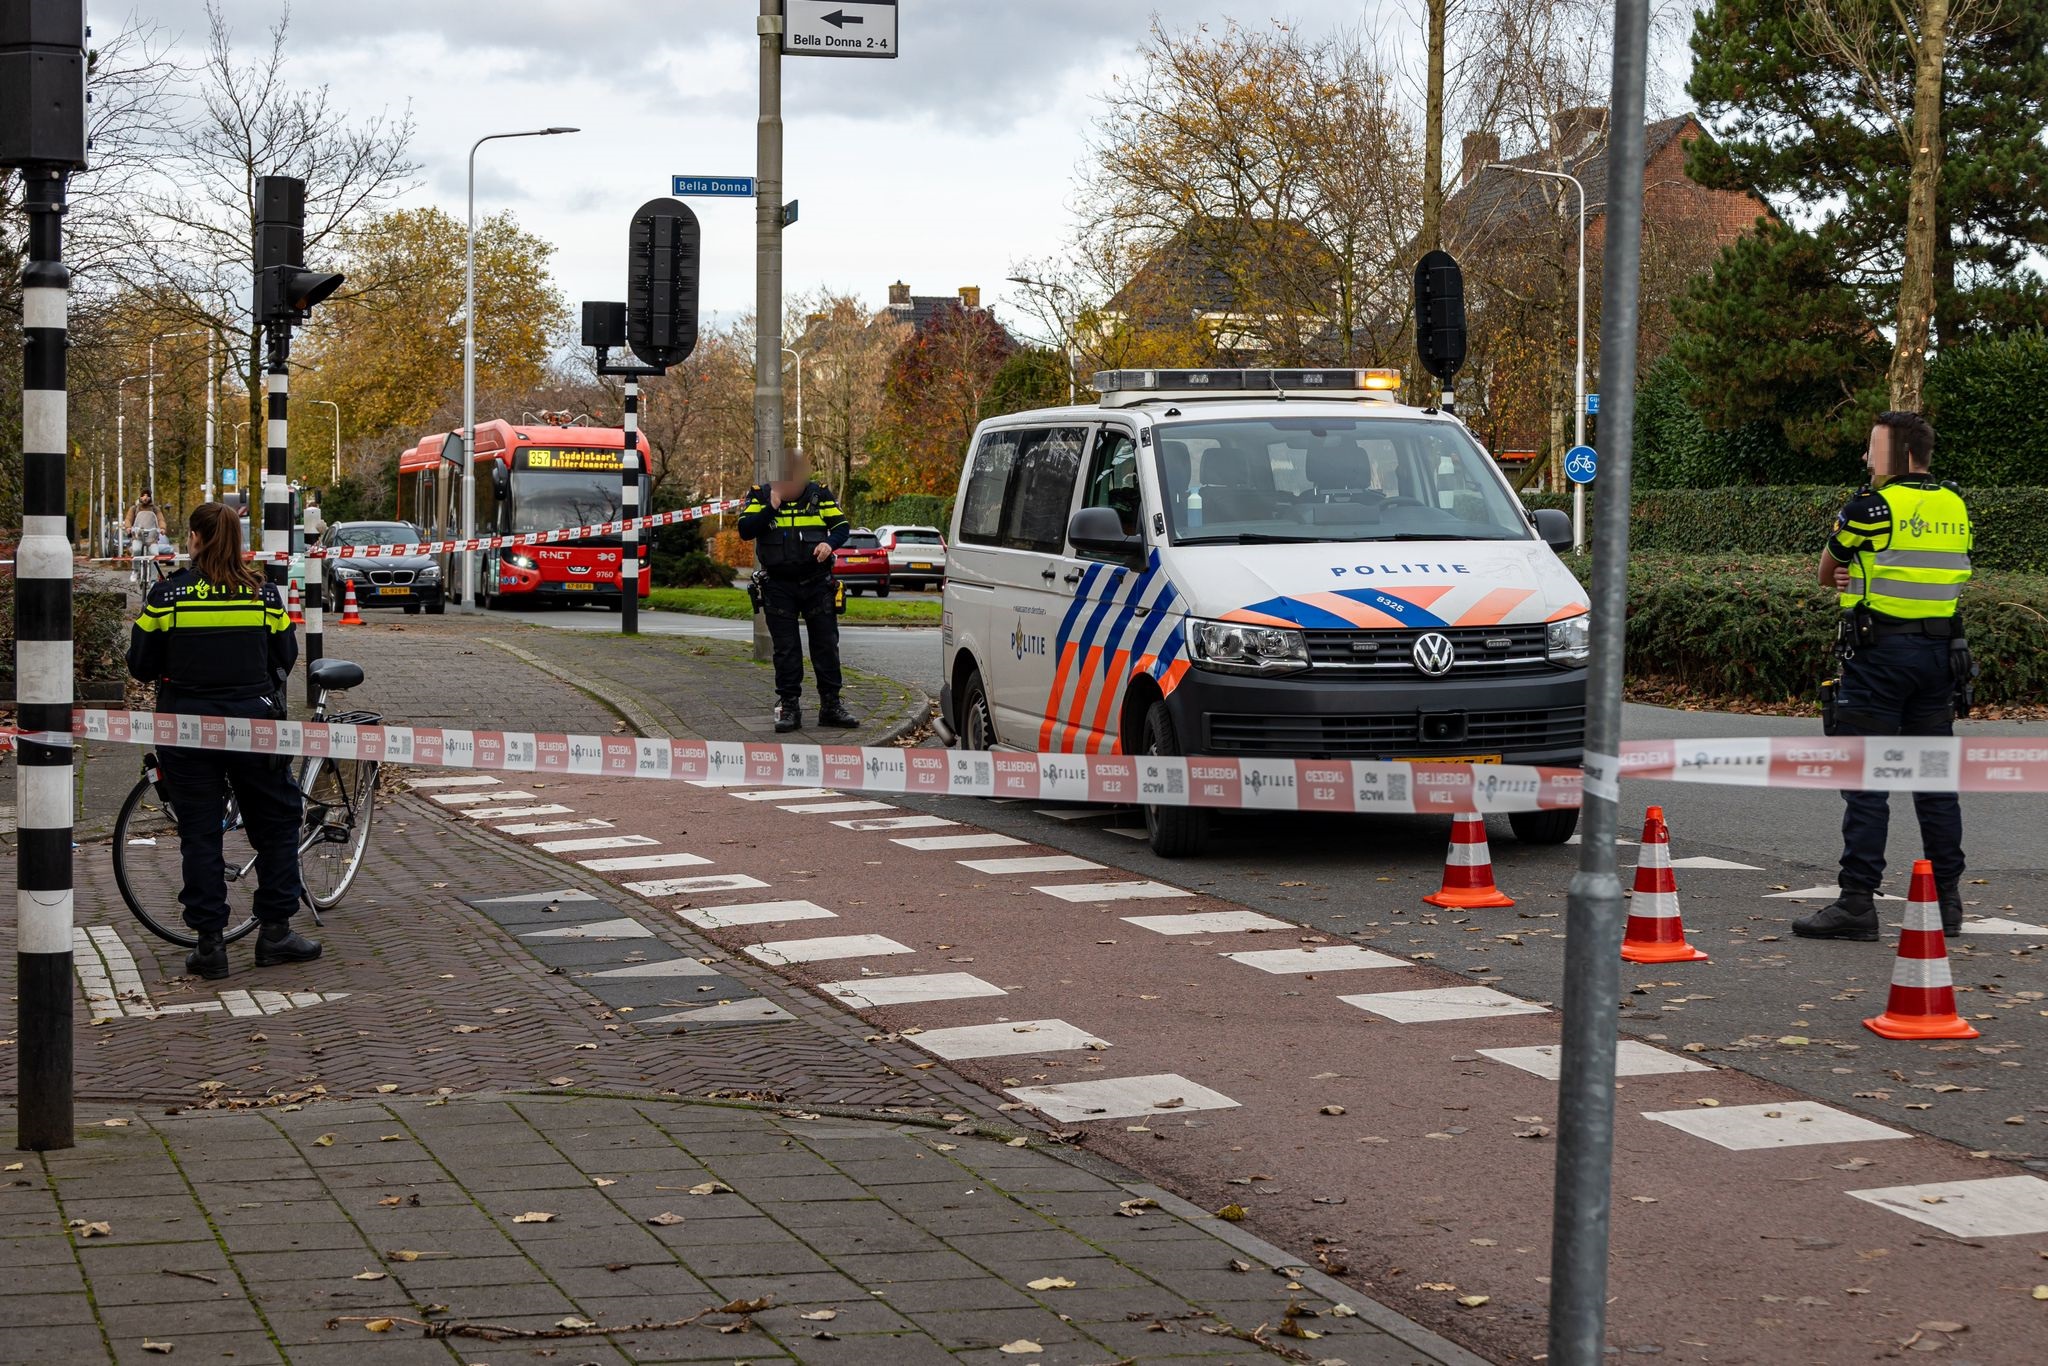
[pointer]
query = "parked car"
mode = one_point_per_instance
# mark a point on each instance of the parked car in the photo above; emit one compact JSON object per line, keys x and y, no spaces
{"x":861,"y":564}
{"x":409,"y":581}
{"x":917,"y":555}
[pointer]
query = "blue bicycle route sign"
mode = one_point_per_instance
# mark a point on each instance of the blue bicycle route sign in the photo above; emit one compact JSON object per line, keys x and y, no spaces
{"x":713,"y":186}
{"x":1581,"y":463}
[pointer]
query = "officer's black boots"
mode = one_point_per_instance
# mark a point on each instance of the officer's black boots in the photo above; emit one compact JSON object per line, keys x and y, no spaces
{"x":1951,"y":909}
{"x":834,"y":713}
{"x":1852,"y":915}
{"x":788,"y":717}
{"x":209,"y":959}
{"x":280,"y":943}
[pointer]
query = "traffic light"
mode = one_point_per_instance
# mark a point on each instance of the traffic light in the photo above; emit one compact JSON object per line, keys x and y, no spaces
{"x":285,"y":290}
{"x":661,"y":282}
{"x":42,"y":83}
{"x":604,"y":325}
{"x":1440,"y":315}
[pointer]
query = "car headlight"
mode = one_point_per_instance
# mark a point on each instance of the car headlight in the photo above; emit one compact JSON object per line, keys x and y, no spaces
{"x":1569,"y":641}
{"x":1234,"y":648}
{"x":344,"y":569}
{"x":519,"y":561}
{"x":431,"y":574}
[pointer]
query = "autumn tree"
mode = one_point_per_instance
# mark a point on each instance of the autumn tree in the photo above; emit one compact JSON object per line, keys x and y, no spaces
{"x":938,"y":383}
{"x":848,"y":355}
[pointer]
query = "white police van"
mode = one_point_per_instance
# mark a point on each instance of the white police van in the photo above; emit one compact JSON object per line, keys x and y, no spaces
{"x":1258,"y":563}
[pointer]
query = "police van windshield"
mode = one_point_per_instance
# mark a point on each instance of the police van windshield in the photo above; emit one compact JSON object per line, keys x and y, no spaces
{"x":1247,"y":481}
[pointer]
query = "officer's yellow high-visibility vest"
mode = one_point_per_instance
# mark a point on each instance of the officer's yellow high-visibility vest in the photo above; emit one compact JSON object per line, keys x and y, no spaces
{"x":1907,"y":547}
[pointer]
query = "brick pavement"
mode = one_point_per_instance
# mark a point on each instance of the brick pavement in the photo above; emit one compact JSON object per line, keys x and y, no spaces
{"x":337,"y":1233}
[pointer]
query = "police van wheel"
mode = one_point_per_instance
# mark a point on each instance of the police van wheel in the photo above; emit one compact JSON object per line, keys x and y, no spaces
{"x":1544,"y":827}
{"x":977,"y":721}
{"x":1175,"y":831}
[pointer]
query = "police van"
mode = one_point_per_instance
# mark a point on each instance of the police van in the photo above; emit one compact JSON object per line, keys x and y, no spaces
{"x":1264,"y":564}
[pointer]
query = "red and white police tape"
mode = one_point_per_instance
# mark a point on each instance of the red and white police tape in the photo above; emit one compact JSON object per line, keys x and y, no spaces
{"x":1912,"y":764}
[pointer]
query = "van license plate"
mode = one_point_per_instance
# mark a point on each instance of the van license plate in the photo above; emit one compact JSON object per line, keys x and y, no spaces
{"x":1447,"y":758}
{"x":394,"y":592}
{"x":921,"y":564}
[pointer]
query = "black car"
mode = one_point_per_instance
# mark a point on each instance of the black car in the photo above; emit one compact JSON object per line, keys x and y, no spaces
{"x":408,"y":581}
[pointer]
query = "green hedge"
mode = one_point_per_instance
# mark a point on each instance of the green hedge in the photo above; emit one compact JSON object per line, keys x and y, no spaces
{"x":99,"y":634}
{"x":910,"y":509}
{"x":1797,"y":519}
{"x":1760,"y":628}
{"x":1984,"y":399}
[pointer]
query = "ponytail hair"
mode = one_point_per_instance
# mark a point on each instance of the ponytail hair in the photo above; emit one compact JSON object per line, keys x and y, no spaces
{"x":218,"y":555}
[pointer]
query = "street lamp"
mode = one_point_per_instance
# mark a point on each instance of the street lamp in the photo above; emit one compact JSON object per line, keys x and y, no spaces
{"x":1032,"y":282}
{"x":1579,"y":417}
{"x":240,"y":427}
{"x":206,"y":487}
{"x":469,"y":364}
{"x":121,"y":441}
{"x":330,"y":403}
{"x":790,"y":351}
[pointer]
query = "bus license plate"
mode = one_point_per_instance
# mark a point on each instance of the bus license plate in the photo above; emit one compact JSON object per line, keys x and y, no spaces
{"x":394,"y":592}
{"x":579,"y":587}
{"x":1447,"y":759}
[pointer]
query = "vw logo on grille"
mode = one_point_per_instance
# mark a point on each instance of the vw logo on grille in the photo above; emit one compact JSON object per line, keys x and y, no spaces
{"x":1434,"y":653}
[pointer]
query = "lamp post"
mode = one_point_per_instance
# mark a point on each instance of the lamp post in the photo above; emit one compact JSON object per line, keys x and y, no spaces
{"x":469,"y":364}
{"x":121,"y":445}
{"x":791,"y":351}
{"x":330,"y":403}
{"x":1032,"y":282}
{"x":1579,"y":416}
{"x":206,"y":486}
{"x":240,"y":427}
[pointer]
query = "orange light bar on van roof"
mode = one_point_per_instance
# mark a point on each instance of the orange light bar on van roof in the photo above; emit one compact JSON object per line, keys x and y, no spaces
{"x":1380,"y":379}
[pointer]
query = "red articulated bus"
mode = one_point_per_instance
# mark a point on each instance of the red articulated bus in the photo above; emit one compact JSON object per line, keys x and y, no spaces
{"x":529,"y":478}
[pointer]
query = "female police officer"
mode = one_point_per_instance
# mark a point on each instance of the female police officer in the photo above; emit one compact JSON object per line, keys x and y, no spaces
{"x":216,"y":641}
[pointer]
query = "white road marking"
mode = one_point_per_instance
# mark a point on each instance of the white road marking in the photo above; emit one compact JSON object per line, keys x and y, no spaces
{"x":895,"y":823}
{"x":1442,"y":1003}
{"x":625,"y":927}
{"x":1824,"y":893}
{"x":1030,"y":863}
{"x":492,"y":813}
{"x":1004,"y":1040}
{"x":476,"y":780}
{"x":754,"y":913}
{"x":1111,"y":891}
{"x":470,"y":798}
{"x":1121,"y":1097}
{"x":100,"y":999}
{"x":1780,"y":1124}
{"x":785,"y":951}
{"x":1991,"y":925}
{"x":121,"y":968}
{"x":1992,"y":1207}
{"x":939,"y":843}
{"x":725,"y":1012}
{"x":781,"y":794}
{"x":564,"y":894}
{"x":1129,"y":832}
{"x":1633,"y":1059}
{"x":683,"y":886}
{"x":1575,"y":840}
{"x":626,"y":863}
{"x":899,"y":991}
{"x":596,"y":842}
{"x":207,"y":1007}
{"x":554,"y":827}
{"x":1335,"y":958}
{"x":240,"y":1003}
{"x":672,"y":967}
{"x":835,"y":808}
{"x":1205,"y":922}
{"x":1707,"y":861}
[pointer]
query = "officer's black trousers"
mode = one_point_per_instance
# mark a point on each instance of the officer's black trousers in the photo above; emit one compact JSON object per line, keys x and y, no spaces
{"x":784,"y":601}
{"x":1898,"y":685}
{"x":198,"y":782}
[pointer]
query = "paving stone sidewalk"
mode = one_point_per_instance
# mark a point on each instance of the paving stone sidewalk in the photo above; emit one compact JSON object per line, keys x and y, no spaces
{"x":335,"y":1233}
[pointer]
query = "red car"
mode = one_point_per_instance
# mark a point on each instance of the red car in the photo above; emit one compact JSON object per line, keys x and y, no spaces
{"x":862,"y":564}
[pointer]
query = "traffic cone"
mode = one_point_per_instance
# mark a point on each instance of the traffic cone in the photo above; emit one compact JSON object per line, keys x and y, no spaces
{"x":1468,"y":868}
{"x":291,"y":604}
{"x":1923,"y":999}
{"x":1655,"y":932}
{"x":349,"y":615}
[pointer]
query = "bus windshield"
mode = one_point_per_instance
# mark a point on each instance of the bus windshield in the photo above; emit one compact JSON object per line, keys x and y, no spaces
{"x":1256,"y":480}
{"x":556,"y":500}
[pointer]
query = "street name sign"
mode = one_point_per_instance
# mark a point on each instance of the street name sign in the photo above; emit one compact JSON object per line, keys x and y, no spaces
{"x":839,"y":28}
{"x":712,"y":186}
{"x":1592,"y":405}
{"x":1581,"y":464}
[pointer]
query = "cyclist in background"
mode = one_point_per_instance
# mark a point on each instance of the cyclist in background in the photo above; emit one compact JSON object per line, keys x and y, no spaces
{"x":215,"y":640}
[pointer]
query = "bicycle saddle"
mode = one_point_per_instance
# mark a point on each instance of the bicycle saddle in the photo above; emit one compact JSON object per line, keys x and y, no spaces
{"x":335,"y":675}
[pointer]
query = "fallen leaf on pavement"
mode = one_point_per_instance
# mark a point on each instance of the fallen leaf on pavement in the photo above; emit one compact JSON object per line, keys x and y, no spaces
{"x":377,"y":1326}
{"x":467,"y":1029}
{"x":324,"y":1141}
{"x":160,"y":1348}
{"x":1343,"y":1311}
{"x":711,"y":1188}
{"x":534,"y":1216}
{"x":1436,"y":1285}
{"x":666,"y":1218}
{"x":369,"y":1276}
{"x":1231,"y":1213}
{"x":1050,"y":1283}
{"x":584,"y":1048}
{"x":1644,"y":1199}
{"x":574,"y":1322}
{"x":1021,"y":1347}
{"x":1333,"y":1109}
{"x":1131,"y":1209}
{"x":1940,"y":1326}
{"x":115,"y":1123}
{"x":1237,"y":1264}
{"x":87,"y":1229}
{"x":2041,"y":1292}
{"x":820,"y":1315}
{"x":561,"y":1081}
{"x":386,"y":1088}
{"x":15,"y":1166}
{"x":1707,"y":1101}
{"x":1473,"y":1301}
{"x":1018,"y":1143}
{"x":602,"y":1181}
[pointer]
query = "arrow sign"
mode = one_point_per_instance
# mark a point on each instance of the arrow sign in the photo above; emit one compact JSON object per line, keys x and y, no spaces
{"x":839,"y":28}
{"x":1581,"y":464}
{"x":840,"y":18}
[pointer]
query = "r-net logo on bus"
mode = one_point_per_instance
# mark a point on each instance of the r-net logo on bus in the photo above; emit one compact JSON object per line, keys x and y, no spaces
{"x":558,"y":458}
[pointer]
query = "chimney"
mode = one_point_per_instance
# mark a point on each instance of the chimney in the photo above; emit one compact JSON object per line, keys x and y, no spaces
{"x":1574,"y":132}
{"x":1480,"y":148}
{"x":970,"y":296}
{"x":899,"y":295}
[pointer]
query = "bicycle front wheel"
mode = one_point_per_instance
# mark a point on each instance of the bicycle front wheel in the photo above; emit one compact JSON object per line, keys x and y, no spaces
{"x":149,"y":866}
{"x":339,"y":804}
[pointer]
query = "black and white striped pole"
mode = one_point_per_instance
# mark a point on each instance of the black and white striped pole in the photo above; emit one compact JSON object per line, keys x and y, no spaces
{"x":44,"y":60}
{"x":629,"y":508}
{"x":277,"y":494}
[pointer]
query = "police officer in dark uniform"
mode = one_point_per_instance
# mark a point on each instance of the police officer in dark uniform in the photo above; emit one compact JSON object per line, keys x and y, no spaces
{"x":216,"y":640}
{"x":1899,"y":558}
{"x":795,"y":526}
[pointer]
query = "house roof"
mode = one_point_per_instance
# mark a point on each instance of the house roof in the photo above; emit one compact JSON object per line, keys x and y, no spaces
{"x":921,"y":309}
{"x":1210,"y":265}
{"x":1494,"y":200}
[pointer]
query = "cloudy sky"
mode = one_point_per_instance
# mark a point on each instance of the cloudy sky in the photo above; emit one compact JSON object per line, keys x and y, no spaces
{"x":942,"y":168}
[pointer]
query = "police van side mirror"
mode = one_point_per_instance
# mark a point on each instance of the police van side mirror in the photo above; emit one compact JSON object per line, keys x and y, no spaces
{"x":1098,"y":534}
{"x":1555,"y":528}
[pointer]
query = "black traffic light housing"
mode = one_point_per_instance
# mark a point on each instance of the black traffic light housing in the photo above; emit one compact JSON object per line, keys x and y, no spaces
{"x":661,"y":282}
{"x":1440,"y":315}
{"x":604,"y":325}
{"x":285,"y":290}
{"x":42,"y":83}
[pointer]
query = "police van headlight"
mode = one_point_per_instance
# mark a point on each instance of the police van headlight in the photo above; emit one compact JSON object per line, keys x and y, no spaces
{"x":1234,"y":648}
{"x":1569,"y":642}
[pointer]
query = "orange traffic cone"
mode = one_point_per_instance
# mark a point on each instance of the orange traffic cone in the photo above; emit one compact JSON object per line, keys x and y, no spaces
{"x":291,"y":604}
{"x":349,"y":615}
{"x":1923,"y":999}
{"x":1468,"y":868}
{"x":1655,"y":932}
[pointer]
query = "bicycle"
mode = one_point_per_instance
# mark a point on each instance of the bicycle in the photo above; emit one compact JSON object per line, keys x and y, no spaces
{"x":340,"y":798}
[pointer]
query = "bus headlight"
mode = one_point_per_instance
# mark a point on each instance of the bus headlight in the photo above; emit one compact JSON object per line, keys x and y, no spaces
{"x":519,"y":561}
{"x":1234,"y":648}
{"x":1568,"y":642}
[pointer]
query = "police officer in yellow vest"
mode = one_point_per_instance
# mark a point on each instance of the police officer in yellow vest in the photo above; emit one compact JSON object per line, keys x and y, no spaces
{"x":796,"y":526}
{"x":1899,"y":558}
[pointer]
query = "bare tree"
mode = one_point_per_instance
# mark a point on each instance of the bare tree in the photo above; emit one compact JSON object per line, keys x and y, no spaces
{"x":847,"y":350}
